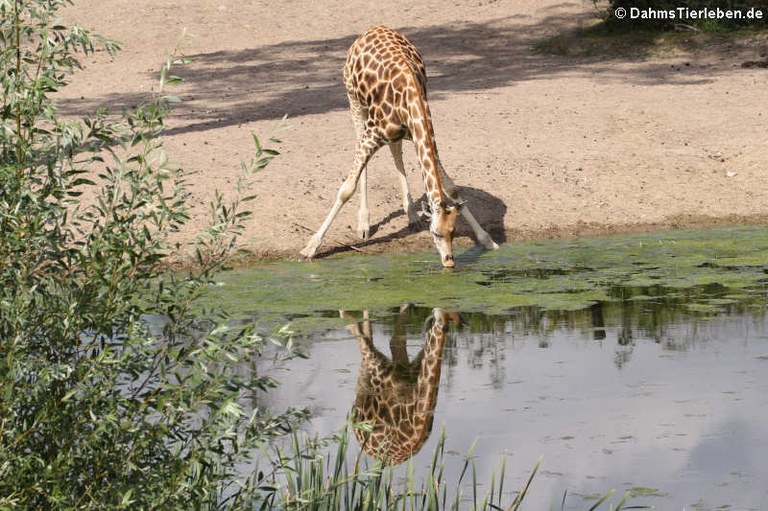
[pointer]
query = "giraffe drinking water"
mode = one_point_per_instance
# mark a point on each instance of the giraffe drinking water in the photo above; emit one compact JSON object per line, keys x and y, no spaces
{"x":386,"y":84}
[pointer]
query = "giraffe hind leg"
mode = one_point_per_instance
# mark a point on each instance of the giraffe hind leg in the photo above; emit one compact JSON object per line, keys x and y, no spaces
{"x":363,"y":213}
{"x":408,"y":206}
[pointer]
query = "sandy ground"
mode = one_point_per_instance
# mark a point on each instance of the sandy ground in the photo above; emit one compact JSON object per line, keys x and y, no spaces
{"x":543,"y":145}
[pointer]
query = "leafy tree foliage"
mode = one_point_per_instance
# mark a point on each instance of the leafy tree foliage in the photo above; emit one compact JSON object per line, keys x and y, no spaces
{"x":116,"y":390}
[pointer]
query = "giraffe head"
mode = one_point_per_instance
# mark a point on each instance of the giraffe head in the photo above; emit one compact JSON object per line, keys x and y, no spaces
{"x":442,"y":226}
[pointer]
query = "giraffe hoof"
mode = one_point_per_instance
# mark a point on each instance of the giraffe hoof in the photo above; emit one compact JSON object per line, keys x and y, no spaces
{"x":487,"y":243}
{"x":308,"y":252}
{"x":364,"y":234}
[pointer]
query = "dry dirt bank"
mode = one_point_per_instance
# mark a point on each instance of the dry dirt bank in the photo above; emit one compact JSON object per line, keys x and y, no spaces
{"x":545,"y":145}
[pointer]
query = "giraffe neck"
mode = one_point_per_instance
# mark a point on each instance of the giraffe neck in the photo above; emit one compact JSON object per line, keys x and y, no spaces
{"x":443,"y":214}
{"x":431,"y":365}
{"x":423,"y":136}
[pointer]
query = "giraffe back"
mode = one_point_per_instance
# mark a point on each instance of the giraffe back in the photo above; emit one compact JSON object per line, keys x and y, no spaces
{"x":385,"y":75}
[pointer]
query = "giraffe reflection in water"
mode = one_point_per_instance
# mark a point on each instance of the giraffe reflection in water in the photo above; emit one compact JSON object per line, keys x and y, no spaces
{"x":397,"y":396}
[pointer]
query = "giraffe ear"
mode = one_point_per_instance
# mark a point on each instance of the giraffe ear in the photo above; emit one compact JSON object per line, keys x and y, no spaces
{"x":460,"y":204}
{"x":450,"y":205}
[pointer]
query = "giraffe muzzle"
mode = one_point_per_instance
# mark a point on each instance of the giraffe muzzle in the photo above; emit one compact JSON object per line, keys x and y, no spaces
{"x":448,"y":261}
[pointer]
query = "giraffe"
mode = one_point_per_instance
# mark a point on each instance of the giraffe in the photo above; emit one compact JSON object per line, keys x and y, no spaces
{"x":397,"y":397}
{"x":386,"y":84}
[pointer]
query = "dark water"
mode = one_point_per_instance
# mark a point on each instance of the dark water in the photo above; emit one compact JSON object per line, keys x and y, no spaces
{"x":635,"y":363}
{"x":632,"y":396}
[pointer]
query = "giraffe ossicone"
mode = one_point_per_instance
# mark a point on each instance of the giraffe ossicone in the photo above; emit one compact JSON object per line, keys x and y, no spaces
{"x":386,"y":84}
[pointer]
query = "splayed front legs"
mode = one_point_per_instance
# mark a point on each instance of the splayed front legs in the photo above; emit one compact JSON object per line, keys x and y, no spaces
{"x":358,"y":179}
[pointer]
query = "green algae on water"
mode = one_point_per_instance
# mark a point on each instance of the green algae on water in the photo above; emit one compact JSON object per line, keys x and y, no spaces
{"x":707,"y":269}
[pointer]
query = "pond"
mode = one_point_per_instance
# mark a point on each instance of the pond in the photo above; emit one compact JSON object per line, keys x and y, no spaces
{"x":635,"y":363}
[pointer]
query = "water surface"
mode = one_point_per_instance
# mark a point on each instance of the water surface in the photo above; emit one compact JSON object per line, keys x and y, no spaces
{"x":631,"y":363}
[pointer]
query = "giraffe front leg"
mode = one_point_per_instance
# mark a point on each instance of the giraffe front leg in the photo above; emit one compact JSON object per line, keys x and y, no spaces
{"x":345,"y":192}
{"x":483,"y":238}
{"x":311,"y":247}
{"x":366,"y":147}
{"x":481,"y":235}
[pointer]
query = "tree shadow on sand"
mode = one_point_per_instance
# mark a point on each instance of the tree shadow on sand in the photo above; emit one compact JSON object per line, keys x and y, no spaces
{"x":295,"y":78}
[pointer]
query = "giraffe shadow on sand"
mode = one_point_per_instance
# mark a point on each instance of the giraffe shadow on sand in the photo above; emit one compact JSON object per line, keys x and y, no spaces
{"x":396,"y":396}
